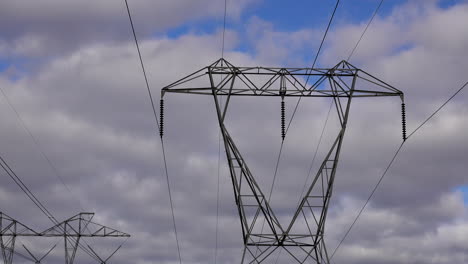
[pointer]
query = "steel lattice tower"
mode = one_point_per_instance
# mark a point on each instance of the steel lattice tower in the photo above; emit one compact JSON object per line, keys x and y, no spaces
{"x":303,"y":237}
{"x":72,"y":230}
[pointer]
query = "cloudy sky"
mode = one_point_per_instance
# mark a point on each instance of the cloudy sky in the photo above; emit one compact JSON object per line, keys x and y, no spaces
{"x":71,"y":72}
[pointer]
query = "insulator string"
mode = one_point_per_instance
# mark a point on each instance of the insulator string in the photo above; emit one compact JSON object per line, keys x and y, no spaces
{"x":161,"y":118}
{"x":403,"y":120}
{"x":283,"y":126}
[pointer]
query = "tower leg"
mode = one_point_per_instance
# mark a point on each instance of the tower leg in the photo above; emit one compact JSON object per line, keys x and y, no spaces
{"x":7,"y":247}
{"x":70,"y":249}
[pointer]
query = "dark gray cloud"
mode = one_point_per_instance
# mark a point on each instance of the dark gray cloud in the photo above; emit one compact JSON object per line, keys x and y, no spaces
{"x":45,"y":29}
{"x":90,"y":113}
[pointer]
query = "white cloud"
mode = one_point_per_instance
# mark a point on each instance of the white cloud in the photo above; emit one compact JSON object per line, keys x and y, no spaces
{"x":377,"y":237}
{"x":90,"y":112}
{"x":49,"y":28}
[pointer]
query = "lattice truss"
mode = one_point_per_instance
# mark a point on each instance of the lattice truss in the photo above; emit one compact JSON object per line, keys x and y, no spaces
{"x":303,"y":237}
{"x":72,"y":230}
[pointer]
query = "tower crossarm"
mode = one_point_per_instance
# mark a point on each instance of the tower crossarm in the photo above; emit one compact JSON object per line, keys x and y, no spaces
{"x":81,"y":225}
{"x":299,"y":82}
{"x":11,"y":227}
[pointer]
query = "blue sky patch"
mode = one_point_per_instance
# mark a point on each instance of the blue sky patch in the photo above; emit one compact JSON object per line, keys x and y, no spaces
{"x":291,"y":17}
{"x":287,"y":17}
{"x":21,"y":67}
{"x":316,"y":14}
{"x":464,"y":190}
{"x":448,"y":3}
{"x":4,"y":64}
{"x":198,"y":28}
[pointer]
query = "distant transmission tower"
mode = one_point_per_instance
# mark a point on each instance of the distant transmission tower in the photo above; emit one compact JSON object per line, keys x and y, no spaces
{"x":303,"y":237}
{"x":72,"y":230}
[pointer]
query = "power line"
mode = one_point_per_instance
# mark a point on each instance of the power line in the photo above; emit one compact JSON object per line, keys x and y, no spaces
{"x":22,"y":185}
{"x":365,"y":30}
{"x":159,"y":128}
{"x":20,"y":254}
{"x":219,"y":146}
{"x":9,"y":171}
{"x":224,"y":27}
{"x":217,"y":197}
{"x":141,"y":63}
{"x":272,"y":187}
{"x":349,"y":57}
{"x":299,"y":100}
{"x":315,"y":61}
{"x":38,"y":146}
{"x":324,"y":35}
{"x":396,"y":153}
{"x":217,"y":189}
{"x":170,"y":200}
{"x":24,"y":188}
{"x":368,"y":199}
{"x":316,"y":151}
{"x":313,"y":64}
{"x":438,"y":109}
{"x":390,"y":164}
{"x":312,"y":163}
{"x":297,"y":105}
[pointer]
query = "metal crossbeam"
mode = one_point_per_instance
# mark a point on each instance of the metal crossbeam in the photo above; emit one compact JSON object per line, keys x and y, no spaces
{"x":81,"y":225}
{"x":263,"y":81}
{"x":303,"y":238}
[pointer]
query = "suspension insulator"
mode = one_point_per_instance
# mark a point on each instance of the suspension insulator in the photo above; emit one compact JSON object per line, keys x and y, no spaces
{"x":161,"y":118}
{"x":403,"y":120}
{"x":283,"y":127}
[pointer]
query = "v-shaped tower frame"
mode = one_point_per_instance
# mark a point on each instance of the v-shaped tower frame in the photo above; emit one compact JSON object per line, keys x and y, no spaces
{"x":303,"y":238}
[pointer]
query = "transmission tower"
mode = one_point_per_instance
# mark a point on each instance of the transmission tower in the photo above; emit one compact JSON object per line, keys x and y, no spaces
{"x":10,"y":229}
{"x":303,"y":237}
{"x":77,"y":227}
{"x":72,"y":230}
